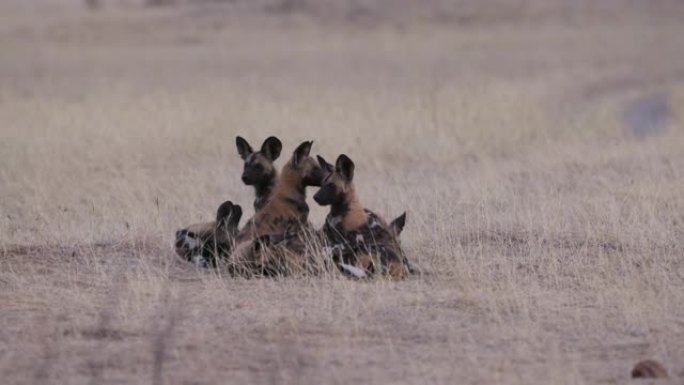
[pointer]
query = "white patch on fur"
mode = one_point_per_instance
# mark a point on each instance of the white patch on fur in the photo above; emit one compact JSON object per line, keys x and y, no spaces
{"x":353,"y":270}
{"x":329,"y":251}
{"x":190,"y":243}
{"x":374,"y":223}
{"x":199,"y":261}
{"x":334,"y":221}
{"x":359,"y":238}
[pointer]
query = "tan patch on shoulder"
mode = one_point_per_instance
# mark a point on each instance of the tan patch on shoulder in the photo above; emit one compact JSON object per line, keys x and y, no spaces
{"x":273,"y":218}
{"x":354,"y":220}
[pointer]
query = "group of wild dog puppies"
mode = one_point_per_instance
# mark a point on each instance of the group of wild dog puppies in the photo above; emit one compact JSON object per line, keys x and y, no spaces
{"x":279,"y":240}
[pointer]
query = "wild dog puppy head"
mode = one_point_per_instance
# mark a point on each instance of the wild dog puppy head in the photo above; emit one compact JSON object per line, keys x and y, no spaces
{"x":204,"y":243}
{"x":337,"y":191}
{"x":191,"y":239}
{"x":300,"y":171}
{"x":337,"y":184}
{"x":259,"y":170}
{"x":305,"y":166}
{"x":287,"y":210}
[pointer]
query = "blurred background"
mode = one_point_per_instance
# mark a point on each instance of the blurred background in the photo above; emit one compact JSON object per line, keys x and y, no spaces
{"x":120,"y":116}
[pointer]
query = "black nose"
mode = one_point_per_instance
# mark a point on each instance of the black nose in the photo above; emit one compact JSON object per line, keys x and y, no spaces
{"x":317,"y":198}
{"x":245,"y":179}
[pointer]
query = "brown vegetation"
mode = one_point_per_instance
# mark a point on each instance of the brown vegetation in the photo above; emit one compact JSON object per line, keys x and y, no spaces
{"x":536,"y":146}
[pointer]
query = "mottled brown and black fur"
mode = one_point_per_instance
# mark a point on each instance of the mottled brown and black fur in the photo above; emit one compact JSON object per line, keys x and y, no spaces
{"x":204,"y":245}
{"x":356,"y":237}
{"x":265,"y":245}
{"x":259,"y":171}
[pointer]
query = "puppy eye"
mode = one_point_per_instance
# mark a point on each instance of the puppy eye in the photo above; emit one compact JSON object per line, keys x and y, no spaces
{"x":258,"y":167}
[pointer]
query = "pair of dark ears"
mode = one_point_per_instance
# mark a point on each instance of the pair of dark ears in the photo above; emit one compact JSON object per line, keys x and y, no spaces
{"x":270,"y":148}
{"x":343,"y":166}
{"x":228,"y":214}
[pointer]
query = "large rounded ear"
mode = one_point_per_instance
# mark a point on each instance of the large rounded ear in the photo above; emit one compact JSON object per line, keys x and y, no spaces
{"x":224,"y":211}
{"x":301,"y":152}
{"x":235,"y":216}
{"x":271,"y":148}
{"x":325,"y":165}
{"x":345,"y":167}
{"x":397,"y":225}
{"x":244,"y":149}
{"x":228,"y":214}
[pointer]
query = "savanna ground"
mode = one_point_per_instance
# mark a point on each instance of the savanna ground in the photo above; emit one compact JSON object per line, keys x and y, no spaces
{"x":537,"y":146}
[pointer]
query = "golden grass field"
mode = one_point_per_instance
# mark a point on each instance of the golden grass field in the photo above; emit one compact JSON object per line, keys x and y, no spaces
{"x":538,"y":148}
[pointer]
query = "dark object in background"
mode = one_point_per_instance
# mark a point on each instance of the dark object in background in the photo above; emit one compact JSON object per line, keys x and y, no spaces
{"x":649,"y":369}
{"x":647,"y":116}
{"x":93,"y":5}
{"x":158,"y":3}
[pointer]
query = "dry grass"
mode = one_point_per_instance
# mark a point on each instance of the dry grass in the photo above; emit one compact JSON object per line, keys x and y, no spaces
{"x":553,"y":232}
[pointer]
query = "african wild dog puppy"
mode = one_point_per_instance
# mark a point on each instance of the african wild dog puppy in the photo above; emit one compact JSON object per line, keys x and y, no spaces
{"x":360,"y":241}
{"x":259,"y":171}
{"x":269,"y":244}
{"x":204,"y":248}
